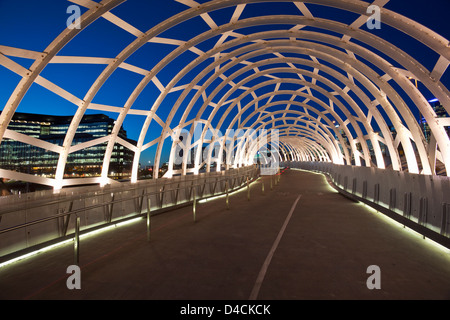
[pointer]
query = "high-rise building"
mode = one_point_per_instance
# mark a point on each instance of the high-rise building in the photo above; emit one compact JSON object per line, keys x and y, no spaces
{"x":22,"y":157}
{"x":440,"y":113}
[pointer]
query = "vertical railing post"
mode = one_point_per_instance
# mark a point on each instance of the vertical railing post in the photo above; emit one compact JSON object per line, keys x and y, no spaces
{"x":248,"y":190}
{"x":110,"y":207}
{"x":227,"y":201}
{"x":76,"y":242}
{"x":148,"y":218}
{"x":194,"y":206}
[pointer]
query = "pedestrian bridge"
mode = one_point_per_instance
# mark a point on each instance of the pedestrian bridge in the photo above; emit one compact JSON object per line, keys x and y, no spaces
{"x":234,"y":103}
{"x":285,"y":238}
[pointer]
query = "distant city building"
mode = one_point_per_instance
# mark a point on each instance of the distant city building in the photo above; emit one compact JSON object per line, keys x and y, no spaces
{"x":25,"y":158}
{"x":440,"y":113}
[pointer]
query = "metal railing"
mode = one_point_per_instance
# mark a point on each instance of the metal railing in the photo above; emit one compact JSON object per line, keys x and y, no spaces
{"x":419,"y":201}
{"x":85,"y":212}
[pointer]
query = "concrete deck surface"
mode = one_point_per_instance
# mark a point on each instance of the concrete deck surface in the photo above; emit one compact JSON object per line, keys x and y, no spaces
{"x":323,"y":252}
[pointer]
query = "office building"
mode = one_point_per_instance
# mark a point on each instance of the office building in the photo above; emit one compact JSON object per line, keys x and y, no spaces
{"x":21,"y":157}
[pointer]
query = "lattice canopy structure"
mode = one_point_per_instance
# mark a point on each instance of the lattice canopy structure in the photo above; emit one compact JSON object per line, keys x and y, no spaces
{"x":316,"y":79}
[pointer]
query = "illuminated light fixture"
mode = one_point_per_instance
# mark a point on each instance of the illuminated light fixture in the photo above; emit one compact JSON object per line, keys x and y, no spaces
{"x":68,"y":241}
{"x":224,"y":195}
{"x":434,"y":100}
{"x":330,"y":188}
{"x":104,"y":229}
{"x":30,"y":254}
{"x":409,"y":231}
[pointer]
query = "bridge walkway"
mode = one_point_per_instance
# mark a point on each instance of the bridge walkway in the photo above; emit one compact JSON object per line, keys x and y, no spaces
{"x":299,"y":240}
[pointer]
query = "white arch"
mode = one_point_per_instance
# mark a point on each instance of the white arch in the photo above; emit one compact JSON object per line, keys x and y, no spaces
{"x":373,"y":82}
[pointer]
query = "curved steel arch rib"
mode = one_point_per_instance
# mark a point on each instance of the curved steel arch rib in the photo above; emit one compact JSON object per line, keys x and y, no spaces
{"x":408,"y":148}
{"x":346,"y":88}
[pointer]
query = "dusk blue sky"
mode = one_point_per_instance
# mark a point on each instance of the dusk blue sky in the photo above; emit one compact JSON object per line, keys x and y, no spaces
{"x":32,"y":25}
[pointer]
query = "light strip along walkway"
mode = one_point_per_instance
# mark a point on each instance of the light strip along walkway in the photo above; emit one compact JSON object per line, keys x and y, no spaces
{"x":323,"y":253}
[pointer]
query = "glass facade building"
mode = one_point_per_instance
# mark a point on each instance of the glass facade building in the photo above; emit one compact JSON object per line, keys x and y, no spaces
{"x":440,"y":113}
{"x":22,"y":157}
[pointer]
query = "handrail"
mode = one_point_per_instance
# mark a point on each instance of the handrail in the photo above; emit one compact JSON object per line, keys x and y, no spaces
{"x":60,"y":215}
{"x":191,"y":198}
{"x":92,"y":194}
